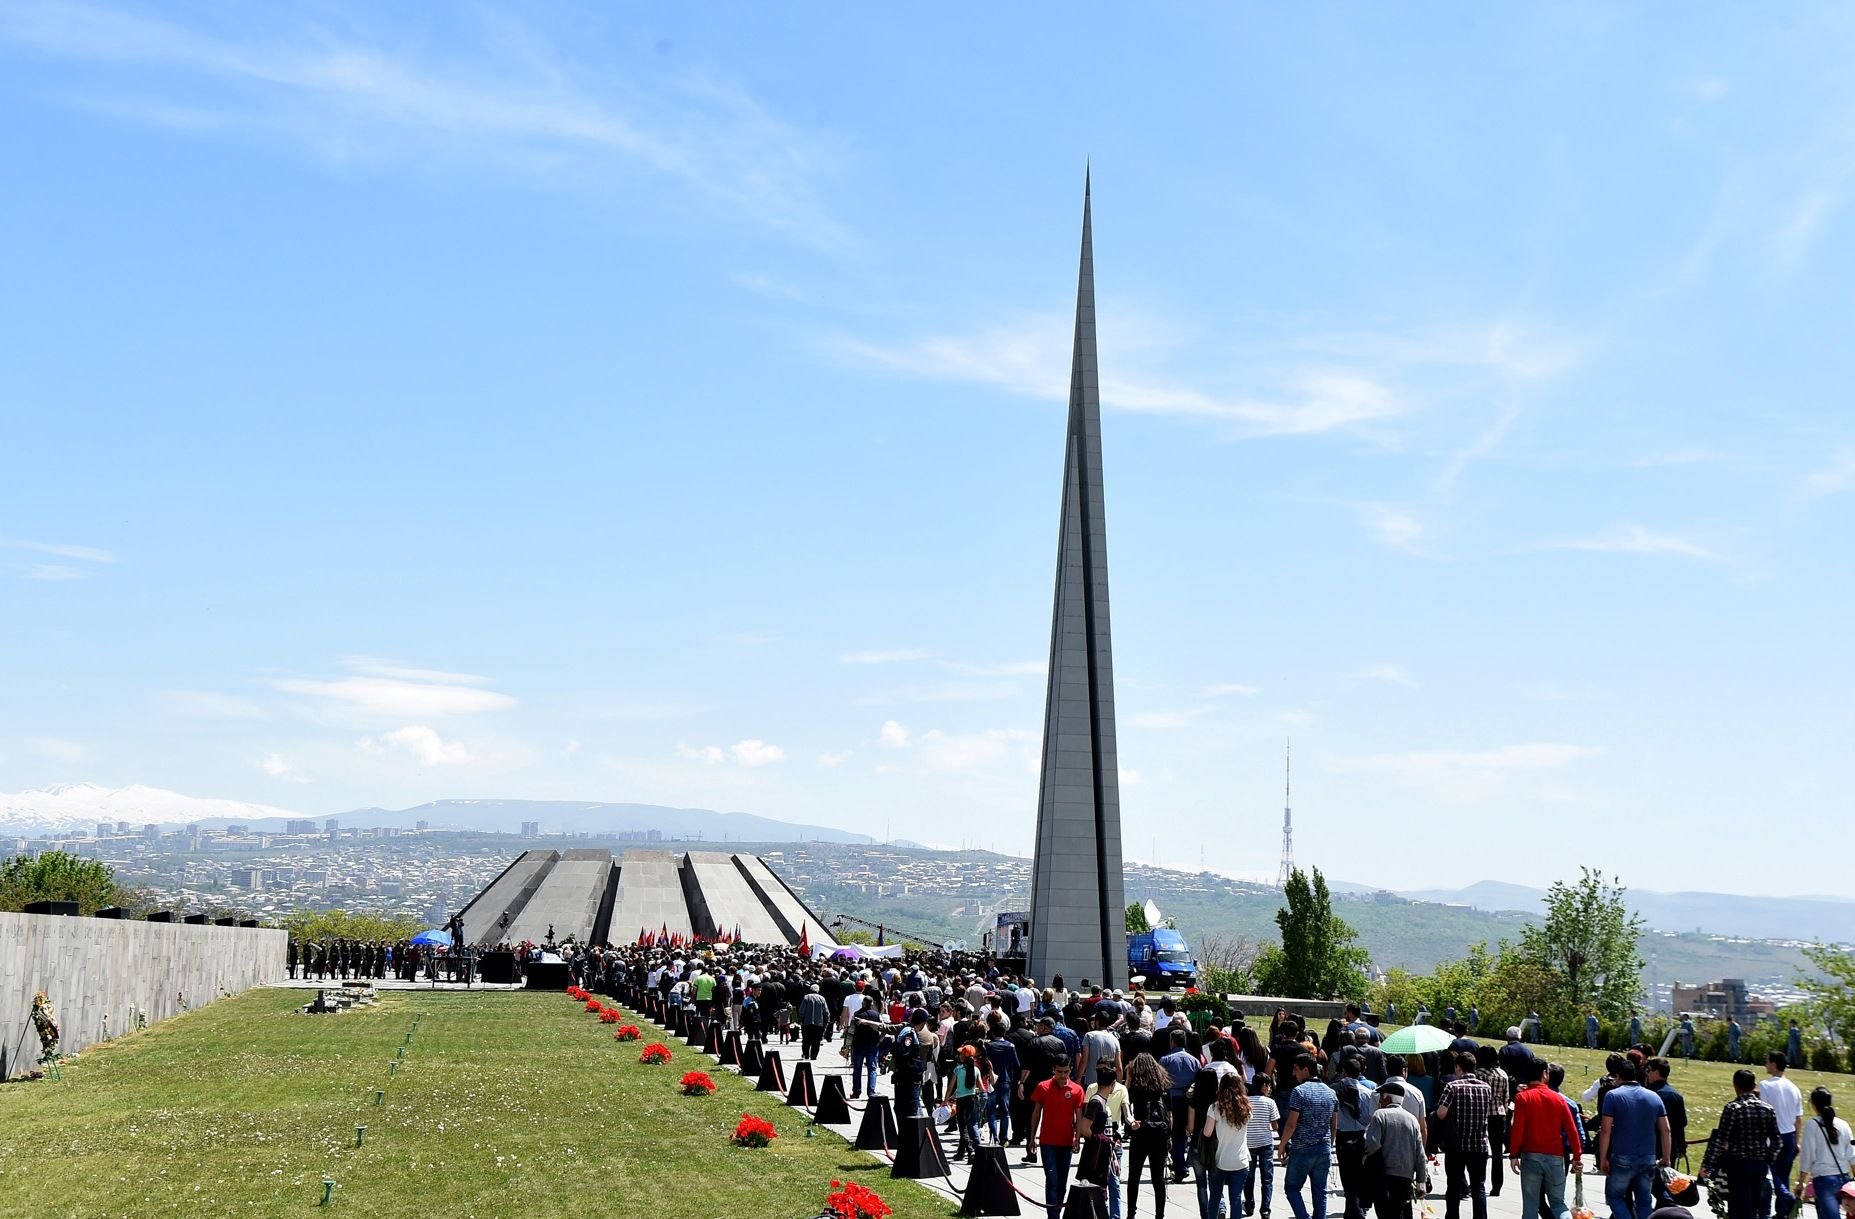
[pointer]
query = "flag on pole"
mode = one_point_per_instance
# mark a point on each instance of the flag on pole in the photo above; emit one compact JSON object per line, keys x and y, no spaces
{"x":879,"y":940}
{"x":805,"y":943}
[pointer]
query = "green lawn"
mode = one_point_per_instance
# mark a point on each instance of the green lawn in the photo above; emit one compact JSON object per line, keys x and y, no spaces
{"x":505,"y":1104}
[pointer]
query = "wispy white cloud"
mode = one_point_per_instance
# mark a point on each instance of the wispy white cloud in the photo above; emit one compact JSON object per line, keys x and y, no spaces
{"x":1031,"y":357}
{"x":1462,"y":776}
{"x":756,"y":752}
{"x":1634,"y":539}
{"x":1832,"y":479}
{"x":532,"y":111}
{"x":751,"y":753}
{"x":893,"y":735}
{"x":279,"y":767}
{"x":942,"y":751}
{"x":422,"y":742}
{"x":1009,"y":668}
{"x":1224,"y":689}
{"x":1393,"y":527}
{"x":570,"y":749}
{"x":884,"y":656}
{"x":1394,"y":674}
{"x":831,"y":761}
{"x":391,"y":691}
{"x":89,"y":554}
{"x":206,"y":704}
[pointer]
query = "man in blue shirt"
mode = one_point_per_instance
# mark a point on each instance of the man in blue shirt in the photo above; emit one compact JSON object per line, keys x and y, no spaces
{"x":1633,"y":1140}
{"x":1590,"y":1030}
{"x":1307,"y":1138}
{"x":1181,"y":1067}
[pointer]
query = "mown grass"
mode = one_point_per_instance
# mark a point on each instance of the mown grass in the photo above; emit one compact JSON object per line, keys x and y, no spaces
{"x":504,"y":1104}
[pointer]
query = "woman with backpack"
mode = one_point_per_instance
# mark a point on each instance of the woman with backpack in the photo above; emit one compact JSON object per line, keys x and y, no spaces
{"x":1823,"y":1154}
{"x":965,"y":1090}
{"x":1149,"y":1110}
{"x":1227,"y":1129}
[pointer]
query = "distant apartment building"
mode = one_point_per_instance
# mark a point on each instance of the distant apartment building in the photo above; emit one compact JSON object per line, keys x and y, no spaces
{"x":299,"y":825}
{"x":332,"y":824}
{"x":422,"y":826}
{"x":248,"y":878}
{"x":105,"y":829}
{"x":1726,"y":998}
{"x":531,"y":829}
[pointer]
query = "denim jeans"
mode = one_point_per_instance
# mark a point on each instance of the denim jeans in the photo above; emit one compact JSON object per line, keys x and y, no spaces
{"x":1055,"y":1175}
{"x":1781,"y":1196}
{"x":1308,"y":1166}
{"x":1542,"y":1174}
{"x":1228,"y":1187}
{"x":1262,"y":1167}
{"x":1627,"y":1187}
{"x":1826,"y":1205}
{"x":862,"y":1062}
{"x":998,"y":1112}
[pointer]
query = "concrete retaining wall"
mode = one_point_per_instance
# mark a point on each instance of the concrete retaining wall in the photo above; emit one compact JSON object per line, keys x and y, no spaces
{"x":92,"y":967}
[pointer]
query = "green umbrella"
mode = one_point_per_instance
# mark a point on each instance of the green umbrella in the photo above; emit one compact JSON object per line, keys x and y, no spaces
{"x":1417,"y":1039}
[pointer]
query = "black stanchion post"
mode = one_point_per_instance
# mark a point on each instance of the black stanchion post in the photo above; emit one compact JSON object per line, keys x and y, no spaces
{"x":802,"y":1093}
{"x":833,"y":1110}
{"x":772,"y":1073}
{"x":752,"y":1060}
{"x":988,"y":1185}
{"x":917,"y":1150}
{"x":1086,"y":1202}
{"x":877,"y":1133}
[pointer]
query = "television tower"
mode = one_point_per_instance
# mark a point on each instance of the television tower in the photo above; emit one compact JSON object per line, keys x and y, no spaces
{"x":1288,"y":816}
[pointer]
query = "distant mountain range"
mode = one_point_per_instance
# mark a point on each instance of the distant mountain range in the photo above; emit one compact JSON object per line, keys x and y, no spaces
{"x":70,"y":807}
{"x":1831,"y":919}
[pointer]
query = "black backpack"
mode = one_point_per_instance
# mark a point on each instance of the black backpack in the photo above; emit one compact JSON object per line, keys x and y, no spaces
{"x":1155,"y":1112}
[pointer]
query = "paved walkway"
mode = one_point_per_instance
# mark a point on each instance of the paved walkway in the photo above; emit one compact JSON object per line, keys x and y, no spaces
{"x":1181,"y":1200}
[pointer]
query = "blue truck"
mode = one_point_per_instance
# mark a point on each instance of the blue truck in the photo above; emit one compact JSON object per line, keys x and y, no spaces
{"x":1162,"y":957}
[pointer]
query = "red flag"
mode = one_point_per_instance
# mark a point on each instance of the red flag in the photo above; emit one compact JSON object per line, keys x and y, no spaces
{"x":805,"y":943}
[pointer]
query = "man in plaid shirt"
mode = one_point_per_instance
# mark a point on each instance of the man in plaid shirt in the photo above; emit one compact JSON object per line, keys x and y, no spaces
{"x":1464,"y":1109}
{"x":1744,"y":1146}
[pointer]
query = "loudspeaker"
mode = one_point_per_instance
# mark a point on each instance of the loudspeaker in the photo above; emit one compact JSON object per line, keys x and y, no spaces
{"x":711,"y":1040}
{"x":160,"y":916}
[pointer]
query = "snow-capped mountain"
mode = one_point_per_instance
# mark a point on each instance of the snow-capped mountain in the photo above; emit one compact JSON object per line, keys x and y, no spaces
{"x":66,"y":807}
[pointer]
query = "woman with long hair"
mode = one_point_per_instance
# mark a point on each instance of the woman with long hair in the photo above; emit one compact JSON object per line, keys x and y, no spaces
{"x":1823,"y":1154}
{"x":1228,"y":1123}
{"x":1254,"y":1056}
{"x":1149,"y":1112}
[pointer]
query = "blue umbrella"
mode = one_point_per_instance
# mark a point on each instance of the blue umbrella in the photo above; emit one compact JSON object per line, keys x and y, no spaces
{"x":433,"y":935}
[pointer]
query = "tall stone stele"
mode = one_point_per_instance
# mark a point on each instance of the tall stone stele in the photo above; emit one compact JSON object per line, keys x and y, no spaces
{"x":1078,"y":902}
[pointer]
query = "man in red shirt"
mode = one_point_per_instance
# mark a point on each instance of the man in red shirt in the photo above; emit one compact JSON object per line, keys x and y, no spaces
{"x":1543,"y":1133}
{"x":1055,"y":1105}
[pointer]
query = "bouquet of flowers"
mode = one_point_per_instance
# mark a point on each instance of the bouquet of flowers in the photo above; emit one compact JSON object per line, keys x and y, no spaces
{"x":697,"y":1083}
{"x":654,"y":1053}
{"x":627,"y":1032}
{"x":608,"y":1016}
{"x":849,"y":1200}
{"x":754,"y":1131}
{"x":574,"y":992}
{"x":592,"y":1004}
{"x":45,"y":1022}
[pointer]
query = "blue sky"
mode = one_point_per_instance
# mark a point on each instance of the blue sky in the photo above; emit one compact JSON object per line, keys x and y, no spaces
{"x":667,"y":406}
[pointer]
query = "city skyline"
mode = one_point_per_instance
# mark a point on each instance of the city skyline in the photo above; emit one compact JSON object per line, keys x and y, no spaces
{"x":406,"y":409}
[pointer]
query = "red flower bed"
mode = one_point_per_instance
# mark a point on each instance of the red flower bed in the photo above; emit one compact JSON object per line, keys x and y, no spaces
{"x":654,"y":1053}
{"x":574,"y":992}
{"x":754,"y":1131}
{"x":609,"y":1016}
{"x":697,"y":1083}
{"x":593,"y":1005}
{"x":627,"y":1032}
{"x":849,"y":1200}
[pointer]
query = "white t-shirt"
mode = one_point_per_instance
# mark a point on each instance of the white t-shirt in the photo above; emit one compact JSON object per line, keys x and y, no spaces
{"x":1233,"y":1153}
{"x":1785,"y":1100}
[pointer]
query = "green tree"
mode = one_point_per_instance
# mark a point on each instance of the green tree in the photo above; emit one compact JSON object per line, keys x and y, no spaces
{"x":58,"y":877}
{"x":1136,"y":918}
{"x":1832,"y":996}
{"x":1589,"y":940}
{"x":324,"y":925}
{"x":1317,"y":958}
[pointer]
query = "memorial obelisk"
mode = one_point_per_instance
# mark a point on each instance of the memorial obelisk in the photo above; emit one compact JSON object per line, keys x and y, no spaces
{"x":1077,"y":919}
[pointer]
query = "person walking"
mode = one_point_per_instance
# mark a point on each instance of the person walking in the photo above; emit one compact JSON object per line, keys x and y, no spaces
{"x":1742,"y":1148}
{"x":1180,"y":1065}
{"x":1632,"y":1142}
{"x":1824,"y":1153}
{"x":1733,"y":1034}
{"x":1104,"y":1113}
{"x":1590,"y":1030}
{"x":1787,"y":1104}
{"x":1227,"y":1125}
{"x":1543,"y":1129}
{"x":1395,"y":1137}
{"x":966,"y":1100}
{"x":1150,"y":1132}
{"x":1307,"y":1139}
{"x":1793,"y":1043}
{"x":1056,"y":1107}
{"x":1357,"y":1104}
{"x":1265,"y":1119}
{"x":1463,"y":1108}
